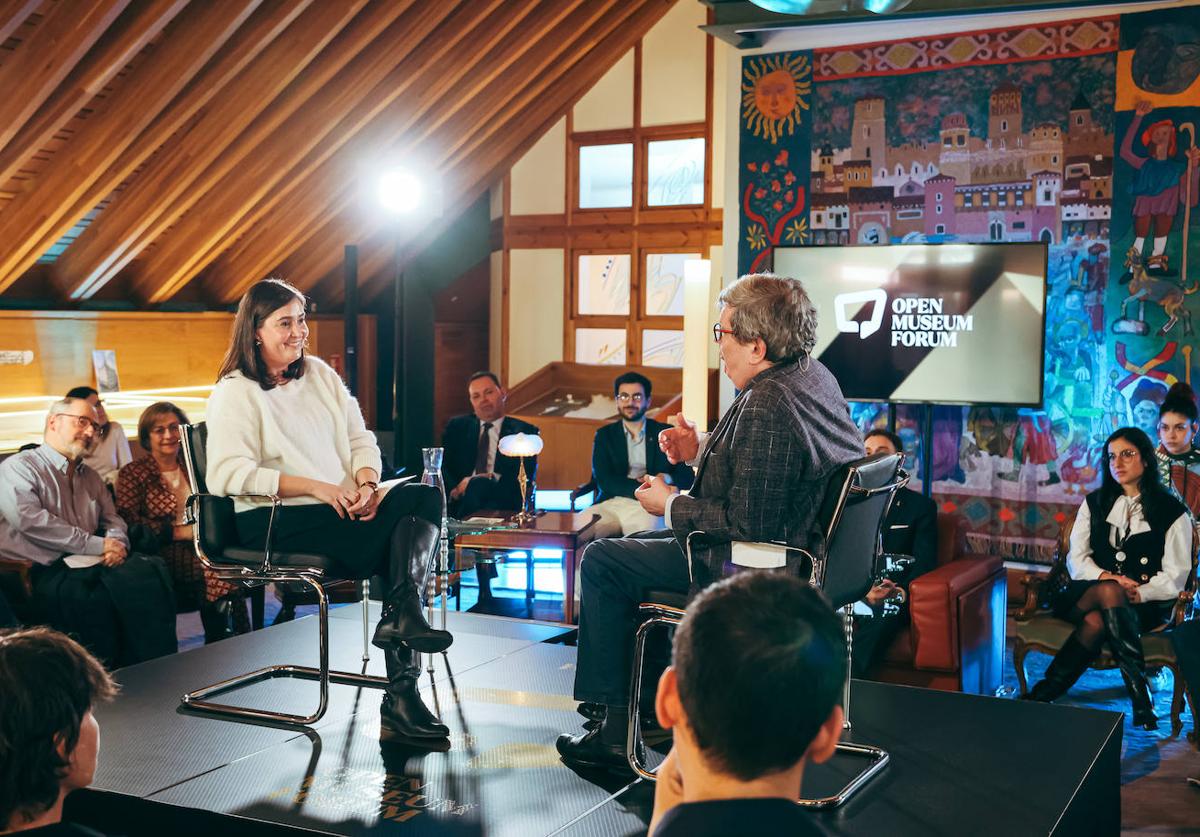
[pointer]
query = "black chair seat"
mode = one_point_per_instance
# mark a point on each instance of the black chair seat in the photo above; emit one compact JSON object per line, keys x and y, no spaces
{"x":254,"y":558}
{"x":670,"y":598}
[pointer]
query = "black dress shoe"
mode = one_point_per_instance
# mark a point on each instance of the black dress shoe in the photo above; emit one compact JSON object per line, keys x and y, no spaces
{"x":590,"y":750}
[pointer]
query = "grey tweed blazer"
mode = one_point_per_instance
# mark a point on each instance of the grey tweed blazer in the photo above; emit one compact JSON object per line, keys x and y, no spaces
{"x":764,"y":469}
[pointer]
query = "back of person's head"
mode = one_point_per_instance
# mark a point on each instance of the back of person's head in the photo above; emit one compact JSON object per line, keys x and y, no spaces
{"x":81,"y":392}
{"x":48,"y":685}
{"x":775,"y":309}
{"x":760,"y":661}
{"x":1180,"y":399}
{"x":632,"y":378}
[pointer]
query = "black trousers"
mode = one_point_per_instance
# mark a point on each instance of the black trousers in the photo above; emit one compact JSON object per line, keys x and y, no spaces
{"x":615,"y":575}
{"x":361,"y":547}
{"x":873,"y":635}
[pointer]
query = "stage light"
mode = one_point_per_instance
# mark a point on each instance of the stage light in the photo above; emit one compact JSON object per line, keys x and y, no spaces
{"x":400,"y":192}
{"x":785,"y":7}
{"x":884,"y":7}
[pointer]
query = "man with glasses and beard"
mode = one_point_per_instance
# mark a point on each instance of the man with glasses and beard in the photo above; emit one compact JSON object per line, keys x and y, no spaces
{"x":57,"y":515}
{"x":624,"y":452}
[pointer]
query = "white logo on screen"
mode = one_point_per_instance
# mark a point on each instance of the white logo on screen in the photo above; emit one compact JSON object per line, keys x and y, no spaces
{"x":878,"y":300}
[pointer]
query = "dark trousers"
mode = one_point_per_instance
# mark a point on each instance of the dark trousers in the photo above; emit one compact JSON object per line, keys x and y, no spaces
{"x":873,"y":635}
{"x":362,"y":548}
{"x":123,"y":614}
{"x":615,"y":575}
{"x":484,"y":494}
{"x":1185,"y":639}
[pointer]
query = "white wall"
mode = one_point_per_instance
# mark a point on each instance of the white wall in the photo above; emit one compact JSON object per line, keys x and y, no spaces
{"x":609,"y":104}
{"x":673,"y":75}
{"x":536,"y":289}
{"x":539,"y":179}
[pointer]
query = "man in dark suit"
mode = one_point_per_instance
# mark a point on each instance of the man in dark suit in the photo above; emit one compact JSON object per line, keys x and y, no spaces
{"x":625,"y":451}
{"x":909,"y":530}
{"x":477,"y":476}
{"x":761,"y":475}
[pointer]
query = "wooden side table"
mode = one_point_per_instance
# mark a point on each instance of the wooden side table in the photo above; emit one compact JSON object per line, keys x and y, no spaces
{"x":568,"y":531}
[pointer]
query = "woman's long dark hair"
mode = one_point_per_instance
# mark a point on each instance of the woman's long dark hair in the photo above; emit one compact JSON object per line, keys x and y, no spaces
{"x":261,"y":301}
{"x":1149,"y":486}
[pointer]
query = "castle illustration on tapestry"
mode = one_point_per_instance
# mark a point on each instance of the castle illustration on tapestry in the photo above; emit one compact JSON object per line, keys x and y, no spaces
{"x":1074,"y":133}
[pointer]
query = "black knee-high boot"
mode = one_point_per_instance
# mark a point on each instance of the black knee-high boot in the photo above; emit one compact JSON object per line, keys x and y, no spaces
{"x":1125,"y":642}
{"x":1068,"y":664}
{"x":415,"y":542}
{"x":403,"y":714}
{"x":214,"y":616}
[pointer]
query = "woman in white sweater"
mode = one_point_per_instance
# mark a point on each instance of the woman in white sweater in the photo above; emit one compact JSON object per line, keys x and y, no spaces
{"x":282,"y":423}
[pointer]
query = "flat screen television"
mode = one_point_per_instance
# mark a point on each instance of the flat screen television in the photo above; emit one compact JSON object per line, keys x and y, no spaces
{"x":928,"y":323}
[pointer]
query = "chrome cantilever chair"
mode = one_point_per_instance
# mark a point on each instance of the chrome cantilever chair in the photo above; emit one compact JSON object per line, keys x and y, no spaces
{"x":852,"y":514}
{"x":216,"y":541}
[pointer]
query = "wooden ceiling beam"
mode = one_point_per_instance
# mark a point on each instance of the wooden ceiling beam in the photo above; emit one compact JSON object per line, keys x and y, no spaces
{"x":553,"y":94}
{"x":13,"y":13}
{"x":195,"y":158}
{"x":325,"y":121}
{"x":35,"y":68}
{"x":41,"y":213}
{"x":330,"y":191}
{"x":141,"y":22}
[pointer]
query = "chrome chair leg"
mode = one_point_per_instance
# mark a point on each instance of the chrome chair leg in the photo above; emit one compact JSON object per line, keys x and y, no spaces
{"x":657,"y":615}
{"x":198,"y":700}
{"x":366,"y":604}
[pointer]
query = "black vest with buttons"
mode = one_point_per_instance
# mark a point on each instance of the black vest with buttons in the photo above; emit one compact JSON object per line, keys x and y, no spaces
{"x":1143,"y":551}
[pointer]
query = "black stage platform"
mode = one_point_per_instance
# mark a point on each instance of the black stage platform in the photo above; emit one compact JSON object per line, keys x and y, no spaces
{"x":959,"y":764}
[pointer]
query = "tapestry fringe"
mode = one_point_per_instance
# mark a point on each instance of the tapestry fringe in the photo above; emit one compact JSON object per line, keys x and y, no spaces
{"x":1033,"y":551}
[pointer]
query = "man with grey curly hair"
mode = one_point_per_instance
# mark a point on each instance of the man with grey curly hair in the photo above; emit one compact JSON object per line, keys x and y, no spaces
{"x":760,"y":476}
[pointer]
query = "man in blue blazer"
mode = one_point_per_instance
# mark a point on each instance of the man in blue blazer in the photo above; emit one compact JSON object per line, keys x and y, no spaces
{"x":625,"y":451}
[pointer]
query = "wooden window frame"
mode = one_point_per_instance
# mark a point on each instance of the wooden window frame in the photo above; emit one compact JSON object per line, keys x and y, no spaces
{"x":660,"y":133}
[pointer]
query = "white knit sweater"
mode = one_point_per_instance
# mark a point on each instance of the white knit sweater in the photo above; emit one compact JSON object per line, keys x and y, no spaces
{"x":309,"y":427}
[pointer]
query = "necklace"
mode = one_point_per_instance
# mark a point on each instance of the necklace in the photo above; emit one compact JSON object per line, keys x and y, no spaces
{"x":1119,"y":536}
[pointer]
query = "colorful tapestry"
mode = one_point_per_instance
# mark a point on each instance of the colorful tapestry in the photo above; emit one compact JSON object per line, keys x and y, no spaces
{"x":1031,"y":133}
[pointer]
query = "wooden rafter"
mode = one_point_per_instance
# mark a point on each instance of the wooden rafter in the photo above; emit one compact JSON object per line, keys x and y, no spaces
{"x":346,"y":103}
{"x":13,"y":13}
{"x":133,"y":219}
{"x":141,"y":22}
{"x":45,"y":211}
{"x":64,"y":35}
{"x":329,"y":191}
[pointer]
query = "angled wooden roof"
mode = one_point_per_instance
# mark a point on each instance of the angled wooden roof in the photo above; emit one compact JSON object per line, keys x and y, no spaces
{"x":161,"y":150}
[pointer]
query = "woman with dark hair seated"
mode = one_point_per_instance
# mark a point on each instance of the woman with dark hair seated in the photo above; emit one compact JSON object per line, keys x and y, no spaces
{"x":152,"y":494}
{"x":1131,"y":552}
{"x":1178,"y":457}
{"x":109,"y":451}
{"x":49,"y":738}
{"x":282,"y":423}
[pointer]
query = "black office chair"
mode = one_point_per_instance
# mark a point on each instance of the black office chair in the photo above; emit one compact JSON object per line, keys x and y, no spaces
{"x":216,"y":541}
{"x":852,"y":515}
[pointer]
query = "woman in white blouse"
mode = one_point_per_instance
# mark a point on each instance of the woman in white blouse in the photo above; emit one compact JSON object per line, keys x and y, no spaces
{"x":283,"y":423}
{"x":1131,"y":552}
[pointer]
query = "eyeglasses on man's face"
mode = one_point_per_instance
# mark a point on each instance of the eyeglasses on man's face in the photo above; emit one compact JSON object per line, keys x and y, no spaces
{"x":79,"y":421}
{"x":718,"y":331}
{"x":1125,"y":455}
{"x":626,"y":397}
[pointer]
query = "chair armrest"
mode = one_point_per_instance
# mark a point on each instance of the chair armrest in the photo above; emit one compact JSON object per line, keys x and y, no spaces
{"x":582,"y":489}
{"x":1032,"y":582}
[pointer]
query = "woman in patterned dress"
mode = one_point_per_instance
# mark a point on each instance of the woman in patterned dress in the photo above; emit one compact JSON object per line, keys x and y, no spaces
{"x":1178,"y":456}
{"x":152,"y":493}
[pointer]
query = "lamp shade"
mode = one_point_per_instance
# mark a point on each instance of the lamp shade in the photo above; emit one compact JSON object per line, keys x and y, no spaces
{"x":521,"y":444}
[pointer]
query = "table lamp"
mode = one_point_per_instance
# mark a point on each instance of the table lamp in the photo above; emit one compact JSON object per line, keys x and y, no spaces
{"x":522,"y":445}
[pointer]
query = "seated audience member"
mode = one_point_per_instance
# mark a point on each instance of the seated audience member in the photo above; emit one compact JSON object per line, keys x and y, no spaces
{"x":910,"y":530}
{"x":761,"y":475}
{"x":49,"y":738}
{"x":478,"y":477}
{"x":1178,"y":456}
{"x":109,"y":449}
{"x":57,"y":514}
{"x":753,"y":696}
{"x":625,"y":451}
{"x":152,"y":495}
{"x":1130,"y":555}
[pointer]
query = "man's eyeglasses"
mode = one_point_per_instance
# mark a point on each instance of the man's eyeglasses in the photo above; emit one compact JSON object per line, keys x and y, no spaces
{"x":1125,"y":455}
{"x":718,"y":331}
{"x":625,"y":397}
{"x":80,"y":421}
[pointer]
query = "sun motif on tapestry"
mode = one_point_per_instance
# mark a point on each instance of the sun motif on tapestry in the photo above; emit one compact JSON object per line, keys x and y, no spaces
{"x":775,"y":89}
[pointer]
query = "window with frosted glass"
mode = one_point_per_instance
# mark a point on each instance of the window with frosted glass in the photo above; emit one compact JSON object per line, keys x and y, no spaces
{"x":603,"y":346}
{"x":664,"y":283}
{"x":605,"y":175}
{"x":603,"y":285}
{"x":662,"y":347}
{"x":676,"y":172}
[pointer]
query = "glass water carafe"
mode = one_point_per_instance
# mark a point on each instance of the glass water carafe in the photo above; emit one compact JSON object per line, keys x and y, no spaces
{"x":432,"y":475}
